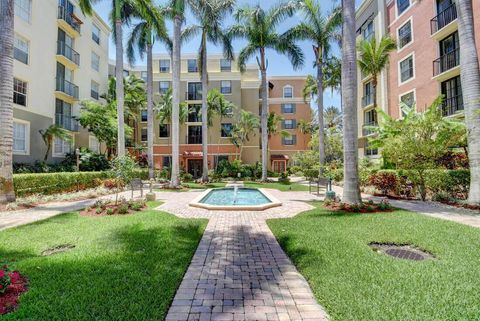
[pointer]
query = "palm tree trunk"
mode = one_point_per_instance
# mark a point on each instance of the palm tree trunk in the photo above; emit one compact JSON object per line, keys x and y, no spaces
{"x":264,"y":117}
{"x":470,"y":77}
{"x":203,"y":56}
{"x":321,"y":133}
{"x":351,"y":189}
{"x":374,"y":91}
{"x":7,"y":193}
{"x":175,"y":181}
{"x":49,"y":147}
{"x":150,"y":132}
{"x":119,"y":86}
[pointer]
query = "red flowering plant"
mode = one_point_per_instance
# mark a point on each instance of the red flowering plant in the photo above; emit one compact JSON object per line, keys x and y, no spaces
{"x":5,"y":279}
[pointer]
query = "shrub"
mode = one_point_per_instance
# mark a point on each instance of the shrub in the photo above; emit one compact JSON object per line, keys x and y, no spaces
{"x":452,"y":182}
{"x":123,"y":208}
{"x":5,"y":280}
{"x":51,"y":183}
{"x":385,"y":181}
{"x":89,"y":161}
{"x":311,"y":173}
{"x":284,"y":178}
{"x":186,"y":177}
{"x":110,"y":211}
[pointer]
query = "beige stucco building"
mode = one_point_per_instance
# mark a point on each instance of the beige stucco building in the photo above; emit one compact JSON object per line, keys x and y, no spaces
{"x":61,"y":58}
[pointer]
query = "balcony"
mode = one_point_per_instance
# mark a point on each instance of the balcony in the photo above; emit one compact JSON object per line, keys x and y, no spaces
{"x":452,"y":106}
{"x":66,"y":51}
{"x":193,"y":139}
{"x":446,"y":62}
{"x":366,"y":130}
{"x":66,"y":122}
{"x":367,"y":100}
{"x":193,"y":95}
{"x":66,"y":87}
{"x":443,"y":19}
{"x":72,"y":22}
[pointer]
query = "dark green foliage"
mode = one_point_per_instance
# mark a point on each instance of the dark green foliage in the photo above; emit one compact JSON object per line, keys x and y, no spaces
{"x":89,"y":161}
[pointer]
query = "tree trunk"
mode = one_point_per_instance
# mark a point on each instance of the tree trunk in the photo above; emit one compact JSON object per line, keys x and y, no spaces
{"x":470,"y":77}
{"x":203,"y":57}
{"x":150,"y":131}
{"x":264,"y":117}
{"x":175,"y":181}
{"x":351,"y":189}
{"x":49,"y":147}
{"x":119,"y":88}
{"x":374,"y":91}
{"x":7,"y":193}
{"x":321,"y":133}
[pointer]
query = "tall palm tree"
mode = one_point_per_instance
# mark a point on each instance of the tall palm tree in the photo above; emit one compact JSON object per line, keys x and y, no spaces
{"x":374,"y":58}
{"x":470,"y":76}
{"x":260,"y":29}
{"x":351,"y":189}
{"x":322,"y":31}
{"x":142,"y":39}
{"x":272,"y":125}
{"x":165,"y":107}
{"x":52,"y":132}
{"x":122,"y":12}
{"x":7,"y":193}
{"x":210,"y":15}
{"x":244,"y":128}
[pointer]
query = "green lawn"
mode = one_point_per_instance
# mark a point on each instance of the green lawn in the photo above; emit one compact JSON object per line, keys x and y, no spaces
{"x":280,"y":186}
{"x":122,"y":268}
{"x":203,"y":186}
{"x":354,"y":283}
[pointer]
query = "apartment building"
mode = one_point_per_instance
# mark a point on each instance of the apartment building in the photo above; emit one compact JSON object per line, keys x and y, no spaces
{"x":426,"y":63}
{"x":242,"y":89}
{"x":61,"y":58}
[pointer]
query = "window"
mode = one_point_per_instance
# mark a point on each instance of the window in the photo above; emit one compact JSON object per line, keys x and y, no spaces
{"x":19,"y":92}
{"x":368,"y":30}
{"x":405,"y":34}
{"x":408,"y":99}
{"x":226,"y":87}
{"x":194,"y":134}
{"x":164,"y":131}
{"x":20,"y":51}
{"x":144,"y":115}
{"x":289,"y":124}
{"x":291,"y":140}
{"x":225,"y":65}
{"x":288,"y":92}
{"x":143,"y":75}
{"x":20,"y":138}
{"x":167,"y":161}
{"x":226,"y":130}
{"x":371,"y":117}
{"x":367,"y":94}
{"x":96,"y":34}
{"x":406,"y":69}
{"x":288,"y":108}
{"x":93,"y":144}
{"x":192,"y":65}
{"x":95,"y":61}
{"x":164,"y":87}
{"x":61,"y":147}
{"x":194,"y":91}
{"x":164,"y":65}
{"x":94,"y":90}
{"x":452,"y":96}
{"x":23,"y":9}
{"x":402,"y":5}
{"x":144,"y":134}
{"x":194,"y":113}
{"x":370,"y":151}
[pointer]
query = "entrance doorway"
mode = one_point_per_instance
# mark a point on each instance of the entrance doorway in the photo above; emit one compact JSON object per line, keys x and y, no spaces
{"x":195,"y":167}
{"x":279,"y":166}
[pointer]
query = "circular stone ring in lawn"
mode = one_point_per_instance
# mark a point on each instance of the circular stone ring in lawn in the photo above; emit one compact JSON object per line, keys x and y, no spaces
{"x":406,"y":252}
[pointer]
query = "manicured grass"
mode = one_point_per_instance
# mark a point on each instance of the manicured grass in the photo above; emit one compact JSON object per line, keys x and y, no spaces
{"x":354,"y":283}
{"x":277,"y":185}
{"x":203,"y":186}
{"x":122,"y":268}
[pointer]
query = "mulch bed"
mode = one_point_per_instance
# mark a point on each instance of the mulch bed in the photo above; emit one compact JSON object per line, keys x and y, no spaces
{"x":463,"y":205}
{"x":364,"y":208}
{"x":9,"y":299}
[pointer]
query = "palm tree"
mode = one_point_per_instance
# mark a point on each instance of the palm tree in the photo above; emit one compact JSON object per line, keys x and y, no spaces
{"x":165,"y":107}
{"x":321,"y":30}
{"x":244,"y":127}
{"x":210,"y":15}
{"x":7,"y":193}
{"x":470,"y":75}
{"x":260,"y":29}
{"x":52,"y":132}
{"x":351,"y":189}
{"x":304,"y":126}
{"x":272,"y":125}
{"x":142,"y":39}
{"x":374,"y":58}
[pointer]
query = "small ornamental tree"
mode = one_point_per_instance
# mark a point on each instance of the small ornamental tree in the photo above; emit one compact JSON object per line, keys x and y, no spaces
{"x":415,"y":142}
{"x":123,"y":169}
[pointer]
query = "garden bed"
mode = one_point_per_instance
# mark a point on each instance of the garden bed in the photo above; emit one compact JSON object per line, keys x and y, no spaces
{"x":12,"y":285}
{"x":367,"y":207}
{"x":107,"y":207}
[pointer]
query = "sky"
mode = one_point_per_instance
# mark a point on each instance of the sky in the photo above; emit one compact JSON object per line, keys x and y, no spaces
{"x":278,"y":65}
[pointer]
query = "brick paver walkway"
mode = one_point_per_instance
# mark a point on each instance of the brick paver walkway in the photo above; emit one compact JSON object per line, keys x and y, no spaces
{"x":239,"y":271}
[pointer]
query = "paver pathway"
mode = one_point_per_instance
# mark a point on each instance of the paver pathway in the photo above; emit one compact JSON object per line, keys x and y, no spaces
{"x":239,"y":271}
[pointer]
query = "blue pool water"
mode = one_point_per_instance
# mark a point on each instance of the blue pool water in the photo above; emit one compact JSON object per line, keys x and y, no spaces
{"x":230,"y":196}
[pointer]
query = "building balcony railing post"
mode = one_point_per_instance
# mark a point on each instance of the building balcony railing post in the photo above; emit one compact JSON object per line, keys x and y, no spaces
{"x":67,"y":87}
{"x":443,"y":18}
{"x":68,"y":52}
{"x":452,"y":105}
{"x":446,"y":62}
{"x":67,"y":17}
{"x":66,"y":122}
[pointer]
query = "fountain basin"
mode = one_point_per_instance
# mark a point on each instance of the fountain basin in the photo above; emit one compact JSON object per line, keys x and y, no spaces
{"x":235,"y":199}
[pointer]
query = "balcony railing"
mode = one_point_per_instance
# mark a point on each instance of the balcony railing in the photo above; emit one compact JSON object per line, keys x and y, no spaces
{"x":193,"y":95}
{"x":443,"y":18}
{"x":68,"y":17}
{"x":367,"y":100}
{"x":366,"y":130}
{"x":452,"y":105}
{"x":193,"y":139}
{"x":68,"y":52}
{"x":66,"y":122}
{"x":446,"y":62}
{"x":67,"y":87}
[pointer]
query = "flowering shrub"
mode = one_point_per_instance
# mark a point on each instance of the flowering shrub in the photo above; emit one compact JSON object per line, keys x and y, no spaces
{"x":5,"y":279}
{"x":385,"y":181}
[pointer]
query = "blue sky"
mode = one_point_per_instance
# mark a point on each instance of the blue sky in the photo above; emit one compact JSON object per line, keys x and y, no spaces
{"x":278,"y":65}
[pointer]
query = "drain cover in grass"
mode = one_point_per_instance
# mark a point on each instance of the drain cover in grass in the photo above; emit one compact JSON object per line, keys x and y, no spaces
{"x":406,"y":252}
{"x":58,"y":249}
